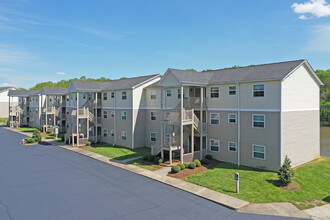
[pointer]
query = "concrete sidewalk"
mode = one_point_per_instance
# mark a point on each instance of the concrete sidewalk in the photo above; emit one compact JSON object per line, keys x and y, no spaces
{"x":278,"y":209}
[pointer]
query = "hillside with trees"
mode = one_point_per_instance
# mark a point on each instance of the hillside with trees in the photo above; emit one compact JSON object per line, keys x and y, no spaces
{"x":324,"y":75}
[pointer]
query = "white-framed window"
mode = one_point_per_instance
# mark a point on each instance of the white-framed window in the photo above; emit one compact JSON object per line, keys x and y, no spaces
{"x":179,"y":93}
{"x":112,"y":132}
{"x":214,"y":145}
{"x":232,"y":146}
{"x":123,"y":95}
{"x":105,"y":114}
{"x":259,"y":151}
{"x":168,"y":138}
{"x":153,"y":94}
{"x":112,"y":113}
{"x":232,"y":118}
{"x":112,"y":95}
{"x":124,"y":135}
{"x":168,"y":93}
{"x":153,"y":116}
{"x":232,"y":90}
{"x":258,"y":121}
{"x":259,"y":90}
{"x":214,"y":92}
{"x":105,"y":132}
{"x":123,"y":115}
{"x":105,"y":96}
{"x":153,"y":136}
{"x":90,"y":95}
{"x":214,"y":118}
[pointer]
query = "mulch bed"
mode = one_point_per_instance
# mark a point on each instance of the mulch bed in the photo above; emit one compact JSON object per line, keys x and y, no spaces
{"x":290,"y":187}
{"x":83,"y":147}
{"x":188,"y":172}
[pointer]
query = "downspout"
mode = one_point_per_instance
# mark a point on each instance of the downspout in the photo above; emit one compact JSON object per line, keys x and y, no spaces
{"x":238,"y":126}
{"x":132,"y":118}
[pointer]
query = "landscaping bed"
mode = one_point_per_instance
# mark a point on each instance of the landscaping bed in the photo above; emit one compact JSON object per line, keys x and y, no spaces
{"x":310,"y":187}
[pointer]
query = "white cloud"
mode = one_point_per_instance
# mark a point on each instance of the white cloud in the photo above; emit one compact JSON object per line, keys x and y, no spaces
{"x":303,"y":17}
{"x":318,"y":8}
{"x":61,"y":73}
{"x":320,"y":38}
{"x":6,"y":84}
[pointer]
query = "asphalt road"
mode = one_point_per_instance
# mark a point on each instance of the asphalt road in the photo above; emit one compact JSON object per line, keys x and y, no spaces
{"x":48,"y":182}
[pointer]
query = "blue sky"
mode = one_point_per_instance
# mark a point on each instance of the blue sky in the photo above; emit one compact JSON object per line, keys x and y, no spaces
{"x":43,"y":40}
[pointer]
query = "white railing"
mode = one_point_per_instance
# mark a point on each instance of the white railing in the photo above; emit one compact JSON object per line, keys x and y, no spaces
{"x":156,"y":148}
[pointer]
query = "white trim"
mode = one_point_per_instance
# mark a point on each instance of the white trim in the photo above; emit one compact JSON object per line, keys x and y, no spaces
{"x":218,"y":145}
{"x":296,"y":110}
{"x":105,"y":114}
{"x":154,"y":115}
{"x":244,"y":110}
{"x":257,"y":84}
{"x":230,"y":91}
{"x":235,"y":118}
{"x":124,"y":115}
{"x":258,"y":115}
{"x":152,"y":132}
{"x":231,"y":142}
{"x":211,"y":118}
{"x":121,"y":136}
{"x":211,"y":92}
{"x":107,"y":132}
{"x":253,"y":145}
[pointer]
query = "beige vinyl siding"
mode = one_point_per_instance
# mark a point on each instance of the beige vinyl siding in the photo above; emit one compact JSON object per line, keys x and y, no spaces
{"x":152,"y":126}
{"x":124,"y":125}
{"x":107,"y":123}
{"x":170,"y":81}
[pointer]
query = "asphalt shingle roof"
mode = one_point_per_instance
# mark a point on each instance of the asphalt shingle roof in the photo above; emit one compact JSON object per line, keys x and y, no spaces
{"x":54,"y":90}
{"x":23,"y":93}
{"x":5,"y":88}
{"x":272,"y":71}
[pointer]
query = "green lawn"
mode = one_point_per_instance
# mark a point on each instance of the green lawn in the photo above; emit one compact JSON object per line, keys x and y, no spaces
{"x":144,"y":164}
{"x":258,"y":186}
{"x":51,"y":136}
{"x":119,"y":153}
{"x":3,"y":120}
{"x":25,"y":129}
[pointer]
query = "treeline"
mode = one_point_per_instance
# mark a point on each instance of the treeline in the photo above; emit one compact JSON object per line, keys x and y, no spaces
{"x":324,"y":75}
{"x":65,"y":83}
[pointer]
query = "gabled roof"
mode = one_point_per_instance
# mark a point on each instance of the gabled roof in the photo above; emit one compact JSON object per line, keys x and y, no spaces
{"x":264,"y":72}
{"x":120,"y":84}
{"x":54,"y":90}
{"x":6,"y":88}
{"x":23,"y":93}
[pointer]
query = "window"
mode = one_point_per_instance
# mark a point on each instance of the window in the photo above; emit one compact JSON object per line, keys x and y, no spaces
{"x":215,"y":118}
{"x":123,"y":115}
{"x":153,"y":116}
{"x":153,"y":136}
{"x":112,"y":132}
{"x":112,"y":95}
{"x":214,"y":91}
{"x":168,"y":93}
{"x":123,"y":95}
{"x":214,"y":145}
{"x":153,"y":94}
{"x":112,"y":113}
{"x":84,"y":96}
{"x":232,"y":90}
{"x":258,"y":121}
{"x":258,"y":152}
{"x":232,"y":118}
{"x":105,"y":114}
{"x":179,"y":93}
{"x":90,"y":95}
{"x":124,"y":135}
{"x":105,"y":133}
{"x":259,"y":90}
{"x":105,"y":96}
{"x":232,"y":146}
{"x":168,"y":138}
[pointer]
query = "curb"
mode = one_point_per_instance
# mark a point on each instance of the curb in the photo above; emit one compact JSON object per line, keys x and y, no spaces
{"x":211,"y":195}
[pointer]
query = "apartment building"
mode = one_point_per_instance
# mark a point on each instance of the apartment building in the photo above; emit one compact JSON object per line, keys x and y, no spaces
{"x":4,"y":101}
{"x":250,"y":116}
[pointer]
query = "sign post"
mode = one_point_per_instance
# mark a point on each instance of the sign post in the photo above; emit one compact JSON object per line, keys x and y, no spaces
{"x":237,"y":182}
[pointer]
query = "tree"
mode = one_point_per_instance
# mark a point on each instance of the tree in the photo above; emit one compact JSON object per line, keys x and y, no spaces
{"x":191,"y":70}
{"x":207,"y":70}
{"x":285,"y":172}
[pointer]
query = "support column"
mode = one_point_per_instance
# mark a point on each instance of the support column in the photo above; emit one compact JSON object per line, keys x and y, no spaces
{"x":95,"y":109}
{"x":77,"y":132}
{"x":192,"y":139}
{"x":161,"y":124}
{"x":46,"y":121}
{"x":181,"y":126}
{"x":201,"y":121}
{"x":9,"y":113}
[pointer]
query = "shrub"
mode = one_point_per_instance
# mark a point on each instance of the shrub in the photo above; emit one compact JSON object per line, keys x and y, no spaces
{"x":48,"y":132}
{"x":182,"y":166}
{"x":192,"y":165}
{"x":145,"y":157}
{"x":37,"y":136}
{"x":185,"y":164}
{"x":175,"y":169}
{"x":285,"y":172}
{"x":209,"y":157}
{"x":205,"y":161}
{"x":158,"y":160}
{"x":88,"y":143}
{"x":29,"y":140}
{"x":151,"y":158}
{"x":197,"y":162}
